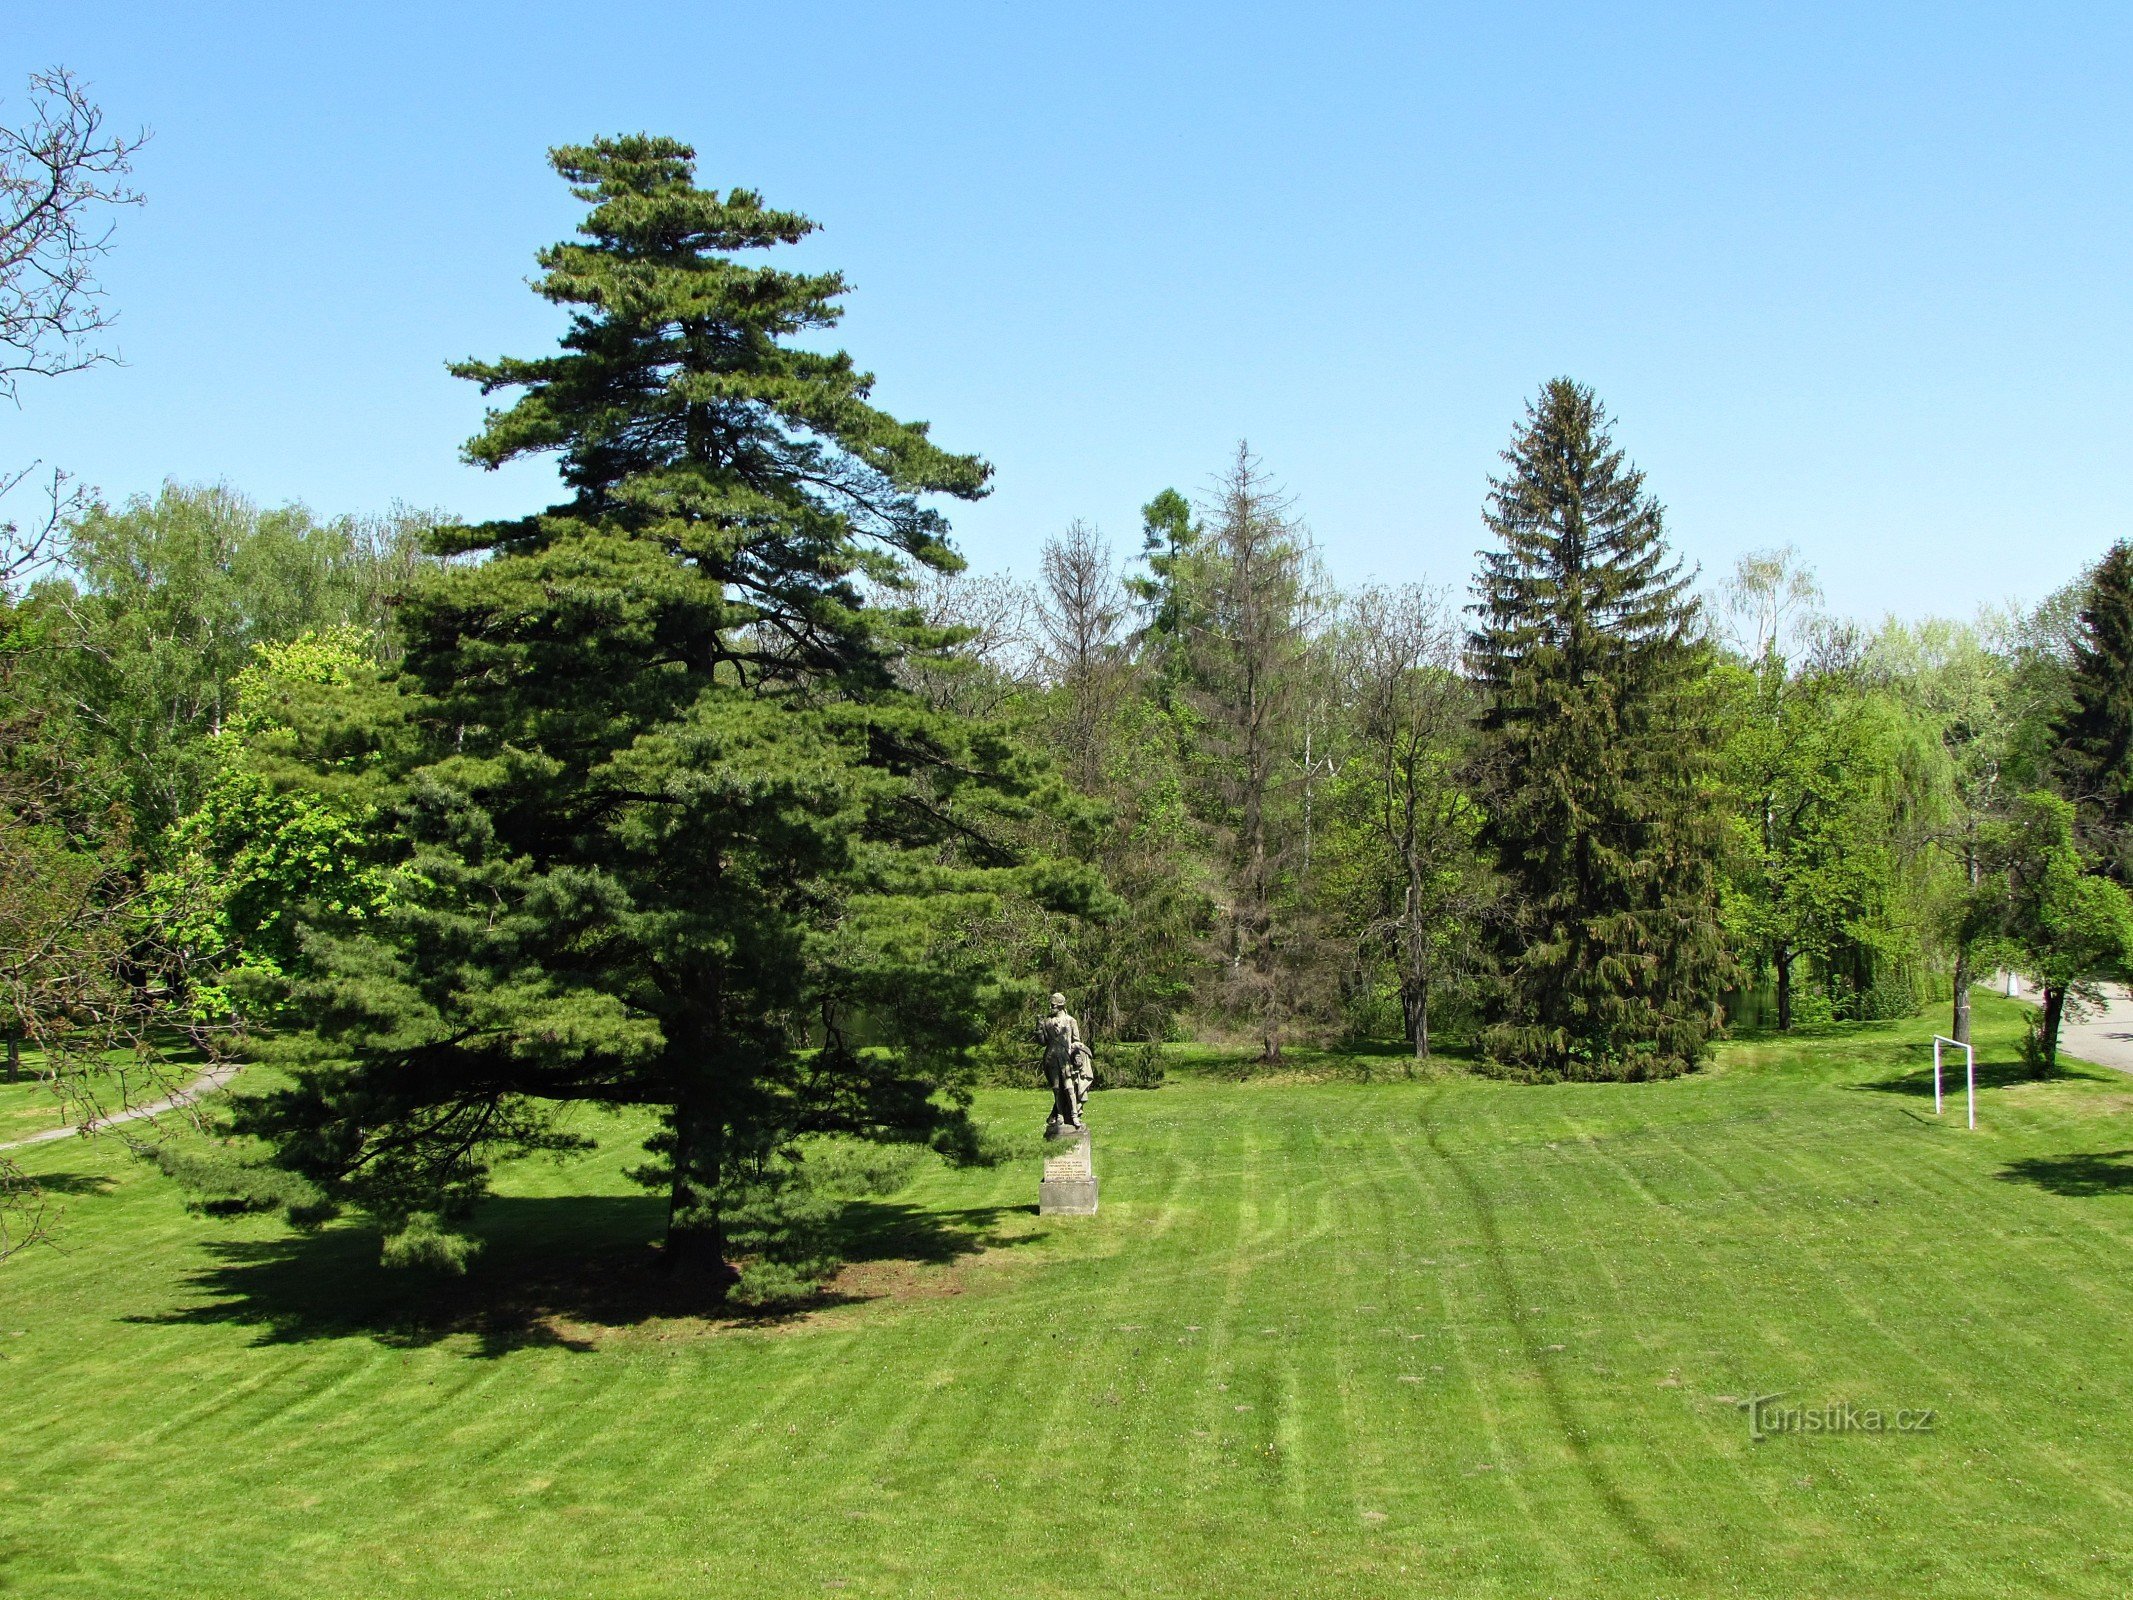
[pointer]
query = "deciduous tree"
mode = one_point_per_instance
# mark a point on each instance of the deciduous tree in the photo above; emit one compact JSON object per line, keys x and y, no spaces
{"x":1413,"y":879}
{"x":2063,"y":925}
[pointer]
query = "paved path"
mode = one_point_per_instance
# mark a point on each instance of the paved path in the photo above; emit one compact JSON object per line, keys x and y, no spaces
{"x":2107,"y":1040}
{"x":207,"y":1083}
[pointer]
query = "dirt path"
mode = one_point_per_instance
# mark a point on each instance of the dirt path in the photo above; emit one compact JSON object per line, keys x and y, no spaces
{"x":207,"y":1083}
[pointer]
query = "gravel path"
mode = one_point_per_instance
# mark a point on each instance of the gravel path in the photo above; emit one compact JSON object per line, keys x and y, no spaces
{"x":2106,"y":1040}
{"x":207,"y":1083}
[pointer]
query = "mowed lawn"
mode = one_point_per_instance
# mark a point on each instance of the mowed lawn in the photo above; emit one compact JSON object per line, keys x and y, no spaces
{"x":1337,"y":1337}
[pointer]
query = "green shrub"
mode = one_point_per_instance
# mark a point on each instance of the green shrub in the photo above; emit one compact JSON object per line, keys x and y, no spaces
{"x":1130,"y":1066}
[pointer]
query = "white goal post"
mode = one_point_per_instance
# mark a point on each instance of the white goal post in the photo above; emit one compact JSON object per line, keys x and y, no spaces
{"x":1969,"y":1073}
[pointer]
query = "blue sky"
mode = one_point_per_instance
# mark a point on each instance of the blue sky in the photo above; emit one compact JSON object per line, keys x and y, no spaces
{"x":1853,"y":278}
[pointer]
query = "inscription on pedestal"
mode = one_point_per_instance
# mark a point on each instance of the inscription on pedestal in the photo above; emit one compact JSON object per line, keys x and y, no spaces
{"x":1068,"y":1188}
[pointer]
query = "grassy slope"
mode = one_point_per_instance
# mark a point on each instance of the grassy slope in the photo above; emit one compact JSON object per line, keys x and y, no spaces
{"x":31,"y":1106}
{"x":1439,"y":1336}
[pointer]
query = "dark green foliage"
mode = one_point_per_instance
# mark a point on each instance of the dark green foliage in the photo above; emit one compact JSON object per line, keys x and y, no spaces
{"x":1597,"y":764}
{"x":1168,"y":537}
{"x":1130,"y":1066}
{"x":669,"y":834}
{"x":2094,"y":755}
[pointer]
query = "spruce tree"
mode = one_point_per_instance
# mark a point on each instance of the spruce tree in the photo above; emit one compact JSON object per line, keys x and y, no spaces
{"x":1246,"y":653}
{"x":667,"y":834}
{"x":2094,"y":737}
{"x":1601,"y":806}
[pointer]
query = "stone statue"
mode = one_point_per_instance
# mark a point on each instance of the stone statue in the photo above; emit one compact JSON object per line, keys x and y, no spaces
{"x":1068,"y":1067}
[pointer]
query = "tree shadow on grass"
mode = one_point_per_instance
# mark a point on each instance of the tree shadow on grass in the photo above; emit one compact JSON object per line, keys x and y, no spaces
{"x":1917,"y":1082}
{"x":2096,"y":1172}
{"x":561,"y":1272}
{"x":71,"y":1182}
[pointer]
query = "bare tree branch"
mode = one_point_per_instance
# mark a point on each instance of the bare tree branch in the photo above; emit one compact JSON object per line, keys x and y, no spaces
{"x":61,"y":173}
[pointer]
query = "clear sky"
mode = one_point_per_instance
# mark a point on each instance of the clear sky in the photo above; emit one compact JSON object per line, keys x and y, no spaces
{"x":1852,"y":277}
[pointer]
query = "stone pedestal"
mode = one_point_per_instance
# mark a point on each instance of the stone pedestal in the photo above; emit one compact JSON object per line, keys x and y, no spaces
{"x":1069,"y":1185}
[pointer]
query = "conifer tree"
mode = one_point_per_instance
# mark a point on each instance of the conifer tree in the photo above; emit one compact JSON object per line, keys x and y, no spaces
{"x":1168,"y":538}
{"x":1246,"y":653}
{"x":669,"y":834}
{"x":2094,"y":738}
{"x":1597,"y":764}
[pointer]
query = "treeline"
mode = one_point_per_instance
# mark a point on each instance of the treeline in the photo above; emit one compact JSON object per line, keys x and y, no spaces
{"x":720,"y":788}
{"x":1574,"y":788}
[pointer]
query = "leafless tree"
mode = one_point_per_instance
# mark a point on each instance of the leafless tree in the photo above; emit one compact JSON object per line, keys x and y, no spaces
{"x":1411,"y":710}
{"x":1081,"y":612}
{"x":79,"y":981}
{"x":28,"y":550}
{"x":983,"y":648}
{"x":61,"y":173}
{"x":61,"y":176}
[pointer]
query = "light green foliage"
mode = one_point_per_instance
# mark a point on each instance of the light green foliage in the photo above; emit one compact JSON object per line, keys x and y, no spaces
{"x":1137,"y":970}
{"x":163,"y":604}
{"x":263,"y":853}
{"x":2057,"y":921}
{"x":1399,"y":862}
{"x":1815,"y":886}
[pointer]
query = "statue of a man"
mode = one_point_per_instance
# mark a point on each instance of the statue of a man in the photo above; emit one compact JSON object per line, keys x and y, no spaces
{"x":1068,"y":1067}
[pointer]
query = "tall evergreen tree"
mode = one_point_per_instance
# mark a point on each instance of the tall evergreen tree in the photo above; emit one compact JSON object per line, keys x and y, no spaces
{"x":672,"y":836}
{"x":2094,"y":755}
{"x":1597,"y":763}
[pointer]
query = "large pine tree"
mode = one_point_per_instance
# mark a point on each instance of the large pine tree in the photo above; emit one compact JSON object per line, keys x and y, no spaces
{"x":2094,"y":738}
{"x":667,"y":834}
{"x":1601,"y":800}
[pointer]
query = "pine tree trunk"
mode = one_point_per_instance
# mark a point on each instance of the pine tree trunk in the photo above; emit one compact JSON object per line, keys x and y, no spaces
{"x":1782,"y":959}
{"x":14,"y":1056}
{"x":1959,"y":1027}
{"x":2054,"y":1010}
{"x":696,"y":1240}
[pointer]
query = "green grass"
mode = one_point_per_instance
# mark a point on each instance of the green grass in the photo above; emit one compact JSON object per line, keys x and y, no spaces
{"x":34,"y":1104}
{"x":1403,"y":1336}
{"x":31,"y":1105}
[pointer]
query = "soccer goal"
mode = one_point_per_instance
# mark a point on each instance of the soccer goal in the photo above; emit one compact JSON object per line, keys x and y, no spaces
{"x":1969,"y":1073}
